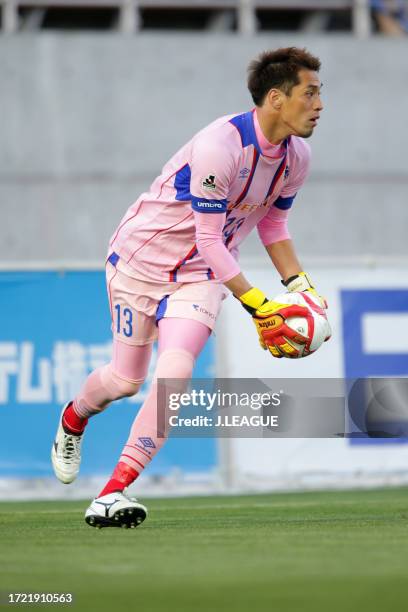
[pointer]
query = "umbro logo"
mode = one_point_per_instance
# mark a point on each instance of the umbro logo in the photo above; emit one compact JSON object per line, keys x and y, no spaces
{"x":244,"y":172}
{"x":147,"y":443}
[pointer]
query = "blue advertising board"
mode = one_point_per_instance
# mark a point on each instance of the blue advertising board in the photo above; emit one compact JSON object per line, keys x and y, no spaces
{"x":359,"y":362}
{"x":55,"y":329}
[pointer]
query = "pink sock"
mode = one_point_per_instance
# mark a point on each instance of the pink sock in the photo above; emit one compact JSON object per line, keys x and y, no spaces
{"x":145,"y":440}
{"x":185,"y":334}
{"x":121,"y":378}
{"x":180,"y":342}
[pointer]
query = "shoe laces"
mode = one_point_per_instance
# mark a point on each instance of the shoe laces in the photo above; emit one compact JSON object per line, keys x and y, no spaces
{"x":72,"y":447}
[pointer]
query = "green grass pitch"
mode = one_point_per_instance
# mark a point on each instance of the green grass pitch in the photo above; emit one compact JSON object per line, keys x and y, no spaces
{"x":301,"y":552}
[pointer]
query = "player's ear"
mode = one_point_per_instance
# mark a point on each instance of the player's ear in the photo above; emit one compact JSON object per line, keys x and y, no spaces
{"x":275,"y":98}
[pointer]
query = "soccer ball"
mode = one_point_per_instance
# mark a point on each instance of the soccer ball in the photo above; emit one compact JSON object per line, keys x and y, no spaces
{"x":316,"y":328}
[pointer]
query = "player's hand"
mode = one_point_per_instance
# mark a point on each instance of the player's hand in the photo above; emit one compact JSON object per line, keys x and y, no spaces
{"x":270,"y":322}
{"x":303,"y":282}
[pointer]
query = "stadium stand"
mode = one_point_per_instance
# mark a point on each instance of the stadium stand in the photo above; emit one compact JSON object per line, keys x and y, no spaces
{"x":130,"y":16}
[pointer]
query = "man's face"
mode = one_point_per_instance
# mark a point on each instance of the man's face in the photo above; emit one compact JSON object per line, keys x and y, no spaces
{"x":301,"y":109}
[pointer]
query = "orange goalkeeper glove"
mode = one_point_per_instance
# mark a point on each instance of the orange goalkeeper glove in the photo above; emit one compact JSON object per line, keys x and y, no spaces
{"x":270,"y":322}
{"x":303,"y":282}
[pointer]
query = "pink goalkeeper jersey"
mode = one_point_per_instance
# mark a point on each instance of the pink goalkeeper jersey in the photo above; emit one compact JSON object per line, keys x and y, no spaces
{"x":227,"y":169}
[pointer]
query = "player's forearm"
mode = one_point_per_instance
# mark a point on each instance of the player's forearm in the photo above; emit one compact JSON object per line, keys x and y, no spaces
{"x":284,"y":258}
{"x":238,"y":285}
{"x":210,"y":246}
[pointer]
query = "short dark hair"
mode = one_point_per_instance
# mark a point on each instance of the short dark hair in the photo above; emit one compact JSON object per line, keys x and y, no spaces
{"x":278,"y":69}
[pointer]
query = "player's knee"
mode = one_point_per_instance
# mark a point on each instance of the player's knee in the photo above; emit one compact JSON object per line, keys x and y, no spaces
{"x":176,"y":366}
{"x":175,"y":363}
{"x":127,"y":388}
{"x":117,"y":386}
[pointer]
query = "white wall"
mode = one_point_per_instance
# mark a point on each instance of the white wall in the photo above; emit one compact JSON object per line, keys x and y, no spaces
{"x":287,"y":463}
{"x":87,"y":122}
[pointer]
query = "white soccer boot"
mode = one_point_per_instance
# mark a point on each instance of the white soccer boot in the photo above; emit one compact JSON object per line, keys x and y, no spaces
{"x":66,"y":453}
{"x":115,"y":510}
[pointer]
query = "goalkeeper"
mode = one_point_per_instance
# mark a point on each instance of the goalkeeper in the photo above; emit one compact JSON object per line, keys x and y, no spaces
{"x":173,"y":259}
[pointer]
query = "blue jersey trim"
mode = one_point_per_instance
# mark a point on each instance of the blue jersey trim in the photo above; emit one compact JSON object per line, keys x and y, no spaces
{"x":208,"y":206}
{"x":245,"y":126}
{"x":161,"y":309}
{"x":249,"y":181}
{"x":182,"y":183}
{"x":113,"y":259}
{"x":190,"y":255}
{"x":278,"y":173}
{"x":284,"y":203}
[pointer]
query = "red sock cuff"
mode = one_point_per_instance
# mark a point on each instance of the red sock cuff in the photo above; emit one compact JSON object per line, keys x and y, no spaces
{"x":71,"y":422}
{"x":123,"y":475}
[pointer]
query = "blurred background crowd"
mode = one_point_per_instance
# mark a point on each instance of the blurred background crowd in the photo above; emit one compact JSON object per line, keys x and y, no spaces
{"x":389,"y":17}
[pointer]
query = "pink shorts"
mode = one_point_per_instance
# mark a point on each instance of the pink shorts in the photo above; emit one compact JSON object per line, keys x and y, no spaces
{"x":137,"y":305}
